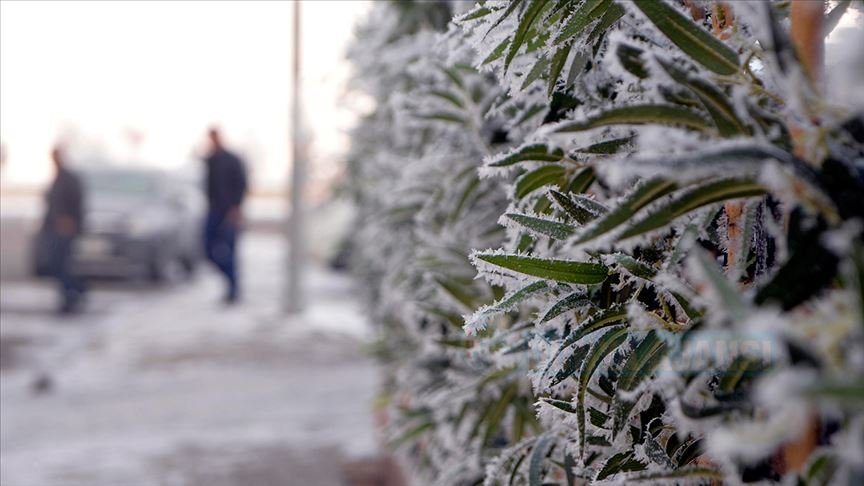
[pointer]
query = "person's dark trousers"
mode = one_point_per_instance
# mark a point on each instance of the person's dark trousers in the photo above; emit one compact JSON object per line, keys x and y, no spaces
{"x":71,"y":287}
{"x":220,"y":243}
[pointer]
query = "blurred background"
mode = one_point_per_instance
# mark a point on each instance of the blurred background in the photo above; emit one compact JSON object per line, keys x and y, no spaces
{"x":154,"y":380}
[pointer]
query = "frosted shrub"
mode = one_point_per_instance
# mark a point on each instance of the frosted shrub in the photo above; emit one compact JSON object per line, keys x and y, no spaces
{"x":666,"y":214}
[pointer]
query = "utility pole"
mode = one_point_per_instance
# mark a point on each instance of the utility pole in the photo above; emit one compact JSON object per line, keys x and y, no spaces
{"x":294,"y":298}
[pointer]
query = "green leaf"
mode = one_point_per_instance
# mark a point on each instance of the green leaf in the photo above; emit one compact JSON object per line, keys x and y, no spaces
{"x":470,"y":188}
{"x":535,"y":465}
{"x":449,"y":97}
{"x":581,"y":181}
{"x":633,"y":266}
{"x":558,"y":270}
{"x":496,"y":414}
{"x":620,"y":462}
{"x":510,"y":9}
{"x":644,"y":194}
{"x":537,"y":70}
{"x":694,"y":41}
{"x":536,"y":152}
{"x":661,"y":114}
{"x":569,"y":302}
{"x":630,"y":58}
{"x":560,"y":404}
{"x":458,"y":292}
{"x":580,"y":208}
{"x":602,"y":348}
{"x":442,"y":116}
{"x":558,"y":62}
{"x":639,"y":366}
{"x":544,"y":176}
{"x":606,"y":147}
{"x":571,"y":365}
{"x":498,"y":51}
{"x":478,"y":12}
{"x":531,"y":14}
{"x":589,"y":11}
{"x":642,"y":362}
{"x":612,"y":15}
{"x":545,"y":227}
{"x":691,"y":199}
{"x":507,"y":303}
{"x":715,"y":102}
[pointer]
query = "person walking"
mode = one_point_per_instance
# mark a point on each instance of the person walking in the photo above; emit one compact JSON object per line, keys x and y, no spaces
{"x":226,"y":188}
{"x":64,"y":219}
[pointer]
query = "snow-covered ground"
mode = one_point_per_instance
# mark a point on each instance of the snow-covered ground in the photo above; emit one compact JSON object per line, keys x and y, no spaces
{"x":163,"y":385}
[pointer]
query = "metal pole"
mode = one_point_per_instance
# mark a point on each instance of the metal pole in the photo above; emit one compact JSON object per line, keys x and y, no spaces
{"x":294,"y":298}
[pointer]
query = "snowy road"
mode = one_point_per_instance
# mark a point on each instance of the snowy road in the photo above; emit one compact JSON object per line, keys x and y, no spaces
{"x":164,"y":386}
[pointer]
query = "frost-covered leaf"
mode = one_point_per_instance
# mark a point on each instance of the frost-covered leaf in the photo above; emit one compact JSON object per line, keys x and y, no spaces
{"x":715,"y":102}
{"x":569,"y":302}
{"x":526,"y":22}
{"x":643,"y":195}
{"x":587,"y":12}
{"x":618,"y":463}
{"x":642,"y":362}
{"x":537,"y":152}
{"x":694,"y":41}
{"x":661,"y":114}
{"x":558,"y":62}
{"x":631,"y":60}
{"x":546,"y":227}
{"x":604,"y":345}
{"x":691,"y":199}
{"x":478,"y":319}
{"x":535,"y":465}
{"x":558,"y":270}
{"x":632,"y":265}
{"x":544,"y":176}
{"x":580,"y":208}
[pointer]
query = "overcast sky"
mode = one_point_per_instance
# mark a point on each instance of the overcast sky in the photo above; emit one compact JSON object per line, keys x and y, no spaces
{"x":143,"y":80}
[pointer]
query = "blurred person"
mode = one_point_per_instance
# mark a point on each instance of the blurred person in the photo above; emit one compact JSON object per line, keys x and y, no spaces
{"x":225,"y":185}
{"x":64,"y":218}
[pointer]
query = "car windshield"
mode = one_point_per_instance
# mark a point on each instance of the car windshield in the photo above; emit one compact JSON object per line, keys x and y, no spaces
{"x":122,"y":183}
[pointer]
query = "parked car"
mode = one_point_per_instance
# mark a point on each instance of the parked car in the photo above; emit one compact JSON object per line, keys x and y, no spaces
{"x":138,"y":223}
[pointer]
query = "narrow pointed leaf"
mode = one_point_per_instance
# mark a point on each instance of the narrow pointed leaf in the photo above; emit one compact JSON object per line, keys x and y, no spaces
{"x":580,"y":208}
{"x":636,"y":200}
{"x":569,"y":302}
{"x":715,"y":102}
{"x":692,"y":199}
{"x":544,"y":176}
{"x":588,"y":12}
{"x":661,"y":114}
{"x":531,"y":14}
{"x":558,"y":270}
{"x":546,"y":227}
{"x":693,"y":40}
{"x":535,"y":465}
{"x":538,"y":152}
{"x":601,"y":320}
{"x":602,"y":348}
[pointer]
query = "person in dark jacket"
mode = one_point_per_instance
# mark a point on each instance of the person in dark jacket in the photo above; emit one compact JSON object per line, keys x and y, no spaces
{"x":226,"y":188}
{"x":64,"y":219}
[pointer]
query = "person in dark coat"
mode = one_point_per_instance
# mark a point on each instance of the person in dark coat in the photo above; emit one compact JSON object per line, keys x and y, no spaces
{"x":226,"y":188}
{"x":64,"y":219}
